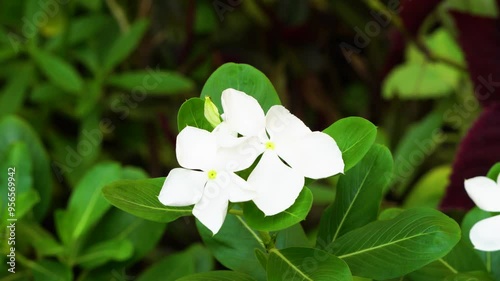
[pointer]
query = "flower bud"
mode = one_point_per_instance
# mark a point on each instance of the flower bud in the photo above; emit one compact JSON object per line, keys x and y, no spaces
{"x":211,"y":112}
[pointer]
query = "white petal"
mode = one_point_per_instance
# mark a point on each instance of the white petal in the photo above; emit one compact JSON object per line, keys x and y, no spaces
{"x":485,"y":193}
{"x":196,"y":148}
{"x":212,"y":208}
{"x":239,"y":189}
{"x":240,"y":156}
{"x":243,"y":113}
{"x":225,"y":136}
{"x":281,"y":124}
{"x":182,"y":187}
{"x":485,"y":235}
{"x":277,"y":185}
{"x":314,"y":155}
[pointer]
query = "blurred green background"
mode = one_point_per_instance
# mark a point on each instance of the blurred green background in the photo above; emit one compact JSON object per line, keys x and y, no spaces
{"x":89,"y":93}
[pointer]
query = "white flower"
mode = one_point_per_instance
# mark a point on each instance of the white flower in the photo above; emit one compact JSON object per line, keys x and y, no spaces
{"x":279,"y":134}
{"x":207,"y":178}
{"x":485,"y":192}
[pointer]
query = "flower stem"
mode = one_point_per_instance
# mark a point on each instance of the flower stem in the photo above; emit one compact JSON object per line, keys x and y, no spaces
{"x":488,"y":262}
{"x":267,"y":240}
{"x":236,"y":212}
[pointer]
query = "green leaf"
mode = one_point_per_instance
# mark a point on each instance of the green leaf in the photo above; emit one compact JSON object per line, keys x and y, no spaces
{"x":25,"y":202}
{"x":220,"y":275}
{"x":14,"y":129}
{"x":420,"y":141}
{"x":359,"y":194}
{"x":86,"y":204}
{"x":124,"y":45}
{"x":143,"y":234}
{"x":152,"y":81}
{"x":470,"y":276}
{"x":140,"y":198}
{"x":294,"y":236}
{"x":354,"y":136}
{"x":13,"y":94}
{"x":306,"y":264}
{"x":391,"y":248}
{"x":494,"y":172}
{"x":430,"y":189}
{"x":96,"y":255}
{"x":191,"y":113}
{"x":233,"y":246}
{"x":390,"y":213}
{"x":482,"y":8}
{"x":294,"y":214}
{"x":46,"y":270}
{"x":461,"y":259}
{"x":178,"y":265}
{"x":58,"y":71}
{"x":242,"y":77}
{"x":44,"y":243}
{"x":322,"y":194}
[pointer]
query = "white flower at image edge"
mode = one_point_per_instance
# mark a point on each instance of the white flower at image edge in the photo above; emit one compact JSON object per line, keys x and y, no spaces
{"x":207,"y":178}
{"x":280,"y":137}
{"x":485,"y":192}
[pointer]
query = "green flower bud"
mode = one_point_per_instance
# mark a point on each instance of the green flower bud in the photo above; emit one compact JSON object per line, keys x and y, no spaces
{"x":211,"y":112}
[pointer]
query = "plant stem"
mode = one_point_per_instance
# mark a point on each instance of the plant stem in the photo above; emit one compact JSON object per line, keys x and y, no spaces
{"x":267,"y":240}
{"x":488,"y":262}
{"x":236,"y":212}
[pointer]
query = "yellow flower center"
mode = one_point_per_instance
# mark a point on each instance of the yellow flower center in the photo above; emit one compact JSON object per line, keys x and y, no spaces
{"x":270,"y":145}
{"x":212,"y":174}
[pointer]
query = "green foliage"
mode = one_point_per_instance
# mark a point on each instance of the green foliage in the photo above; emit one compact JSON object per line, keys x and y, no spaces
{"x":291,"y":216}
{"x":392,"y":248}
{"x":242,"y":77}
{"x":191,"y":114}
{"x":354,"y":136}
{"x":359,"y":194}
{"x":306,"y":264}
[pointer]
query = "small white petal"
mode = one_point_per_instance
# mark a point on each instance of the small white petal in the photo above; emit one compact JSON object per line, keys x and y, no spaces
{"x":182,"y":187}
{"x":282,"y":125}
{"x":211,"y":210}
{"x":277,"y":185}
{"x":240,"y":156}
{"x":196,"y":148}
{"x":243,"y":113}
{"x":314,"y":155}
{"x":485,"y":193}
{"x":485,"y":235}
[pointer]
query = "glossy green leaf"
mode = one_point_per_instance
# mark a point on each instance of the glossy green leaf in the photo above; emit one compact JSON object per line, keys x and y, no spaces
{"x":178,"y":265}
{"x":461,"y":259}
{"x":306,"y":264}
{"x":98,"y":254}
{"x":354,"y":136}
{"x":140,"y":198}
{"x":391,"y":248}
{"x":430,"y":189}
{"x":234,"y":245}
{"x":124,"y":45}
{"x":294,"y":236}
{"x":191,"y":113}
{"x":294,"y":214}
{"x":45,"y":270}
{"x":14,"y":129}
{"x":152,"y":81}
{"x":13,"y":94}
{"x":221,"y":275}
{"x":494,"y":172}
{"x":58,"y":71}
{"x":242,"y":77}
{"x":86,"y":204}
{"x":390,"y":213}
{"x":359,"y":194}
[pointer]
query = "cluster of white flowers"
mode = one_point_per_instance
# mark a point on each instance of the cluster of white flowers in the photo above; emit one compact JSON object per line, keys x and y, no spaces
{"x":485,"y":192}
{"x":209,"y":160}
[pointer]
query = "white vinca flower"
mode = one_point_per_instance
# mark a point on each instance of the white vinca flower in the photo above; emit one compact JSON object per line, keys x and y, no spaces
{"x":280,"y":137}
{"x":485,"y":192}
{"x":207,"y":178}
